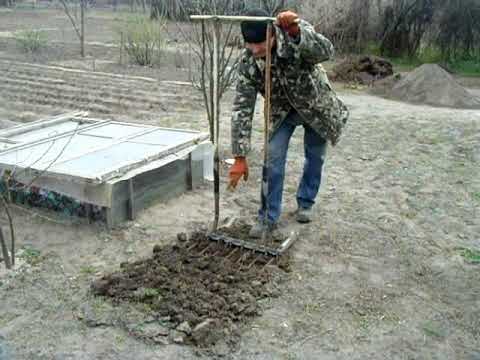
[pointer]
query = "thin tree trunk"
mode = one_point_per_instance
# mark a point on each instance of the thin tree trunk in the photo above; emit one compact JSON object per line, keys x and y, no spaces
{"x":82,"y":27}
{"x":6,"y":257}
{"x":12,"y":234}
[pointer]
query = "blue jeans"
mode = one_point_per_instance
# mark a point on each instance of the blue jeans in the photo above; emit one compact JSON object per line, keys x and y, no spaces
{"x":315,"y":149}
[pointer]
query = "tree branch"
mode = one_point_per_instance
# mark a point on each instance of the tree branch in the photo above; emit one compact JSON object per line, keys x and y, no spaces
{"x":12,"y":231}
{"x":67,"y":12}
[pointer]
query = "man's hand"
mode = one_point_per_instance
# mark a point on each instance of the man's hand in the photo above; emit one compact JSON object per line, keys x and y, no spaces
{"x":288,"y":21}
{"x":238,"y":169}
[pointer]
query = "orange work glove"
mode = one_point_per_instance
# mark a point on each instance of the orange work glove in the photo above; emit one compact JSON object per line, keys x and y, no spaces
{"x":288,"y":21}
{"x":238,"y":169}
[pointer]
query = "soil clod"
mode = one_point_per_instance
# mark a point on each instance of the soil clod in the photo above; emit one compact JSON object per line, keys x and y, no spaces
{"x":203,"y":295}
{"x":362,"y":69}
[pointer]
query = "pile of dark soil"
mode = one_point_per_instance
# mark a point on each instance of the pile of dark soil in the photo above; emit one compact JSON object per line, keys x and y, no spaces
{"x":363,"y":69}
{"x":203,"y":295}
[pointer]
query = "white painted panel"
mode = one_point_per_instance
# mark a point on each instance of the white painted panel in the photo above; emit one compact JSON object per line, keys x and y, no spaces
{"x":40,"y":156}
{"x":104,"y":161}
{"x":116,"y":130}
{"x":103,"y":151}
{"x":47,"y":132}
{"x":165,"y":137}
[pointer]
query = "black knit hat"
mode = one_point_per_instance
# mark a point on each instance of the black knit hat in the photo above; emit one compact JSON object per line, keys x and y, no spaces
{"x":253,"y":31}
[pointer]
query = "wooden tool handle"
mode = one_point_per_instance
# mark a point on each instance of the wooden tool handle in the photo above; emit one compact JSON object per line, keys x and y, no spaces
{"x":235,"y":18}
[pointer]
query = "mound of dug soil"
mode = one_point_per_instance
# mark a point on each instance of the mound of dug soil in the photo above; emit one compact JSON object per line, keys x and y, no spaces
{"x":362,"y":69}
{"x":200,"y":293}
{"x":432,"y":85}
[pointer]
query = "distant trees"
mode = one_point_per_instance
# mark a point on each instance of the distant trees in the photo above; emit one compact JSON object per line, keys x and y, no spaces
{"x":458,"y":29}
{"x":399,"y":28}
{"x":449,"y":26}
{"x":404,"y":25}
{"x":180,"y":9}
{"x":7,"y":3}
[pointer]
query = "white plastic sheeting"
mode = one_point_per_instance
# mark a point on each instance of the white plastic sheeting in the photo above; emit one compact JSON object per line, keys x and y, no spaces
{"x":89,"y":150}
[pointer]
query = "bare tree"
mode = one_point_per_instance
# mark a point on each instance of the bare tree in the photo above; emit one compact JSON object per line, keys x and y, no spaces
{"x":7,"y":3}
{"x":165,"y":9}
{"x":6,"y":256}
{"x":274,"y":6}
{"x":4,"y":198}
{"x":11,"y":185}
{"x":201,"y":45}
{"x":459,"y":29}
{"x":405,"y":23}
{"x":78,"y":23}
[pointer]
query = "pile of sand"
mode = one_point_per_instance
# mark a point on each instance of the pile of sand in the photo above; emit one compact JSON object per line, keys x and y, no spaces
{"x":432,"y":85}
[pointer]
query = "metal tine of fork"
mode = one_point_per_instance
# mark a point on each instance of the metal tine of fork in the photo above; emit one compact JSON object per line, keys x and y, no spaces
{"x":205,"y":249}
{"x":258,"y":257}
{"x":220,"y":247}
{"x":269,"y":262}
{"x":232,"y":253}
{"x":191,"y":247}
{"x":242,"y":257}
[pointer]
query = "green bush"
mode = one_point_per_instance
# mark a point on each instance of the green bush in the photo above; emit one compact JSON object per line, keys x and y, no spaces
{"x":461,"y":65}
{"x":142,"y":39}
{"x":430,"y":54}
{"x":466,"y":67}
{"x":31,"y":40}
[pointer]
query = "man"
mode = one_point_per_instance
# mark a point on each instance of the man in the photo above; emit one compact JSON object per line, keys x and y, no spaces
{"x":301,"y":95}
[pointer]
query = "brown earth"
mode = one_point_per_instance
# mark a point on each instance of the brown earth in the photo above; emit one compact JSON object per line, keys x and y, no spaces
{"x":382,"y":272}
{"x":365,"y":69}
{"x":194,"y":288}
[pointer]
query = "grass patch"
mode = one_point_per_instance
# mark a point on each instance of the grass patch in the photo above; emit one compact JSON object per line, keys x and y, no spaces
{"x":466,"y":66}
{"x":404,"y":64}
{"x":31,"y":41}
{"x":373,"y":47}
{"x":433,"y":331}
{"x":471,"y":256}
{"x":150,"y":292}
{"x":470,"y":68}
{"x":30,"y":255}
{"x":88,"y":270}
{"x":476,"y":196}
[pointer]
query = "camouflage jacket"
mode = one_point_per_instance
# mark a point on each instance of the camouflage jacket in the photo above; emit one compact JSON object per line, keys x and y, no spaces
{"x":299,"y":82}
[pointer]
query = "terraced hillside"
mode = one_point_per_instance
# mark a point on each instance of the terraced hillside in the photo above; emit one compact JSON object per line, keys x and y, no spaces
{"x":28,"y":91}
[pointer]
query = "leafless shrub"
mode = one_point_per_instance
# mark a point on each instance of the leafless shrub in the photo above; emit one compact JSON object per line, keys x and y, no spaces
{"x":31,"y":41}
{"x":346,"y":23}
{"x":72,"y":10}
{"x":200,"y":42}
{"x":459,"y":29}
{"x":9,"y":184}
{"x":7,"y":3}
{"x":405,"y":23}
{"x":273,"y":7}
{"x":143,"y":39}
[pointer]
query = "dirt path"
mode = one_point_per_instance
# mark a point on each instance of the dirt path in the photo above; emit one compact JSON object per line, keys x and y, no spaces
{"x":379,"y":274}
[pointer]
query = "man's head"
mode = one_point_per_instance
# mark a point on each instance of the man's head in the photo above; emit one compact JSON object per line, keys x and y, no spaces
{"x":255,"y":33}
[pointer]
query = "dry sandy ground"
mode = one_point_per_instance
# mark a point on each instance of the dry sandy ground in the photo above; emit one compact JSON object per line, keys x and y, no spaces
{"x":379,"y":274}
